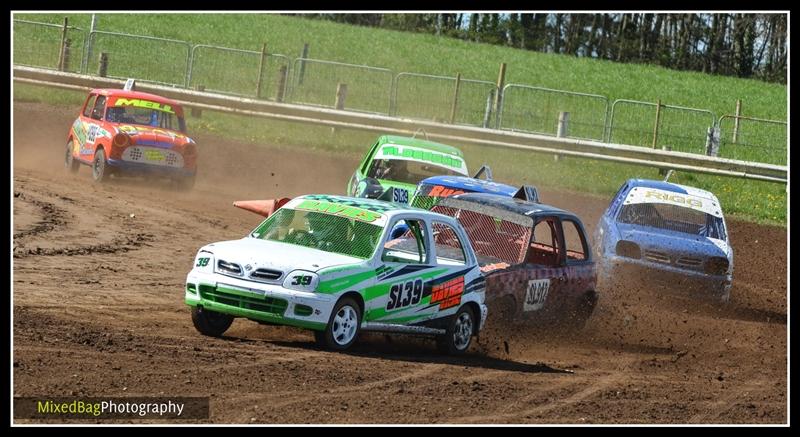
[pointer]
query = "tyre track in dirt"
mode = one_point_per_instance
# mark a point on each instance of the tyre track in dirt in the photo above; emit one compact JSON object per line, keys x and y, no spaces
{"x":110,"y":319}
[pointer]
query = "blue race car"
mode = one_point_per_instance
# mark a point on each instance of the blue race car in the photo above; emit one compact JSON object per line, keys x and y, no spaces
{"x":668,"y":233}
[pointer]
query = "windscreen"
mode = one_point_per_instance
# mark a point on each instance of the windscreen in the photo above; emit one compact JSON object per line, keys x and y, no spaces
{"x":145,"y":113}
{"x":673,"y":218}
{"x":316,"y":230}
{"x":407,"y":171}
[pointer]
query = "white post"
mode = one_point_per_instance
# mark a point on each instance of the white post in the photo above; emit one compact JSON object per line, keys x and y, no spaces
{"x":561,"y":132}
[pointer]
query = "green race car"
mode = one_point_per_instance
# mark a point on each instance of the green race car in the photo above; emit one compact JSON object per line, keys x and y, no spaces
{"x":400,"y":163}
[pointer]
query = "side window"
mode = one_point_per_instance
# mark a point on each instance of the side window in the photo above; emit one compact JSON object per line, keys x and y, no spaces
{"x":617,"y":200}
{"x":99,"y":108}
{"x":87,"y":110}
{"x":410,"y":247}
{"x":449,"y":250}
{"x":574,"y":241}
{"x":368,"y":159}
{"x":544,"y":249}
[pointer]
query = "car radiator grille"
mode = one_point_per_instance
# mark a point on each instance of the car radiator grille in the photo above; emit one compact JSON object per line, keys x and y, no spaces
{"x":690,"y":262}
{"x":266,"y":274}
{"x":229,"y":268}
{"x":270,"y":305}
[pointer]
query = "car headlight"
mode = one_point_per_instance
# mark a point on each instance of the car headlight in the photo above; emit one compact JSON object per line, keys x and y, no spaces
{"x":301,"y":280}
{"x":204,"y":261}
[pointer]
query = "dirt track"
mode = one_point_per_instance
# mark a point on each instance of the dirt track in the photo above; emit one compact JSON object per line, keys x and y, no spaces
{"x":98,"y":311}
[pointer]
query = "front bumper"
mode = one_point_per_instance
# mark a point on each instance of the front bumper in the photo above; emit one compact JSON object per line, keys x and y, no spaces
{"x":150,"y":169}
{"x":615,"y":267}
{"x":258,"y":301}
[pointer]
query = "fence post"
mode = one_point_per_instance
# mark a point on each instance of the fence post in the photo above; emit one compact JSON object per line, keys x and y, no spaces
{"x":197,"y":112}
{"x":281,"y":84}
{"x":562,"y":131}
{"x":302,"y":71}
{"x":65,"y":55}
{"x":498,"y":98}
{"x":487,"y":113}
{"x":102,"y":69}
{"x":85,"y":60}
{"x":63,"y":41}
{"x":712,"y":141}
{"x":661,"y":171}
{"x":658,"y":120}
{"x":341,"y":95}
{"x":261,"y":69}
{"x":455,"y":99}
{"x":736,"y":121}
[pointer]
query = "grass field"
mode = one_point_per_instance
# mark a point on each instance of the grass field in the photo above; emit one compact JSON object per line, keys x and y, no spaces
{"x":398,"y":51}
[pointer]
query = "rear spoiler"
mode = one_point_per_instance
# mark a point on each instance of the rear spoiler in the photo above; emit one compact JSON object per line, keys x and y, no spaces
{"x":261,"y":207}
{"x":528,"y":193}
{"x":484,"y":169}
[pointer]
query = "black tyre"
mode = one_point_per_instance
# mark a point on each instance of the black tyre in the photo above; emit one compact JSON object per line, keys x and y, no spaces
{"x":100,"y":171}
{"x":186,"y":183}
{"x":458,"y":336}
{"x":69,"y":161}
{"x":343,"y":326}
{"x":210,"y":323}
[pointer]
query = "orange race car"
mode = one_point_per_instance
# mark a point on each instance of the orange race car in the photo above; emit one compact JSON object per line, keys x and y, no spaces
{"x":121,"y":131}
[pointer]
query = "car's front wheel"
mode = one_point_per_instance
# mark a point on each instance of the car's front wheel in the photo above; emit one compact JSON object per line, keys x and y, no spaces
{"x":457,"y":338}
{"x":210,"y":323}
{"x":99,"y":168}
{"x":343,"y":326}
{"x":69,"y":161}
{"x":186,"y":183}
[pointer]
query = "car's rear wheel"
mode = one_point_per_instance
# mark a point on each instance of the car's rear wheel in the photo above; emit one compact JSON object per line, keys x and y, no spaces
{"x":210,"y":323}
{"x":69,"y":161}
{"x":186,"y":183}
{"x":457,"y":338}
{"x":100,"y":171}
{"x":343,"y":326}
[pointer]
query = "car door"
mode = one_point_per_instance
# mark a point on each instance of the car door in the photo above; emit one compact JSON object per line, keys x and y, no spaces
{"x":545,"y":272}
{"x":579,"y":267}
{"x":92,"y":125}
{"x":405,"y":266}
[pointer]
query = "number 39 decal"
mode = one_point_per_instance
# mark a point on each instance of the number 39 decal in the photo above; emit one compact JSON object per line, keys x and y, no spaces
{"x":404,"y":294}
{"x":301,"y":280}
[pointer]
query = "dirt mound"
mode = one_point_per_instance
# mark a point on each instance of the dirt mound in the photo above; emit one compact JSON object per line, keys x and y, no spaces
{"x":99,"y":273}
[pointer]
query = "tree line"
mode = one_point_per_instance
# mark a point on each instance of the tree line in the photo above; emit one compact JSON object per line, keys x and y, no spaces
{"x":735,"y":44}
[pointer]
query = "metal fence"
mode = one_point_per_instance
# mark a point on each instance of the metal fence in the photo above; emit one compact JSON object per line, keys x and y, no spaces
{"x":315,"y":82}
{"x":237,"y":72}
{"x":442,"y":98}
{"x":41,"y":45}
{"x":455,"y":100}
{"x":659,"y":126}
{"x":532,"y":109}
{"x":753,"y":139}
{"x":147,"y":58}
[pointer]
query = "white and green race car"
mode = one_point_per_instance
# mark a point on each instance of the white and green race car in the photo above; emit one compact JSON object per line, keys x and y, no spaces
{"x":329,"y":264}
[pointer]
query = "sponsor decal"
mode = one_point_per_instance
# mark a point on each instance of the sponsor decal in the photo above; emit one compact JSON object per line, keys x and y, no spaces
{"x":536,"y":294}
{"x":128,"y":129}
{"x":405,"y":152}
{"x":448,"y":294}
{"x":153,"y":155}
{"x":139,"y":103}
{"x":674,"y":198}
{"x":339,"y":210}
{"x":440,"y":191}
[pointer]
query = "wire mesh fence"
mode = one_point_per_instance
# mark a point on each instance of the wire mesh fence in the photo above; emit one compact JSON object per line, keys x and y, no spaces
{"x":315,"y":82}
{"x":753,"y":139}
{"x":39,"y":45}
{"x":412,"y":95}
{"x":147,"y":58}
{"x":442,"y":98}
{"x":659,"y":126}
{"x":532,"y":109}
{"x":236,"y":72}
